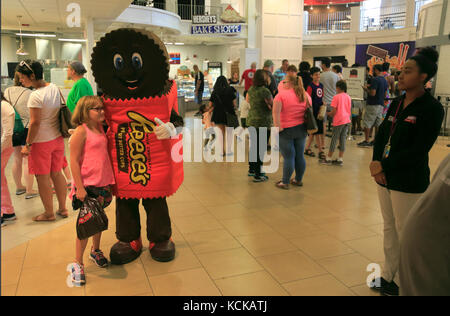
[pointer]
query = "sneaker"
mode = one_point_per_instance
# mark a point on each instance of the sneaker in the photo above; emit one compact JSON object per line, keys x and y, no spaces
{"x":251,"y":174}
{"x":337,"y":162}
{"x":77,"y":273}
{"x":261,"y":178}
{"x":364,"y":144}
{"x":325,"y":162}
{"x":9,"y":217}
{"x":3,"y":222}
{"x":99,"y":259}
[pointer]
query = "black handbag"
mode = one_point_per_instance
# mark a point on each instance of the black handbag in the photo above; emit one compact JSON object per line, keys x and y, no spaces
{"x":91,"y":219}
{"x":65,"y":118}
{"x":232,"y":119}
{"x":311,"y":124}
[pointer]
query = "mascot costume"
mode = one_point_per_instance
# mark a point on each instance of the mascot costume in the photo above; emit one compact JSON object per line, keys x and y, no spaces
{"x":131,"y":66}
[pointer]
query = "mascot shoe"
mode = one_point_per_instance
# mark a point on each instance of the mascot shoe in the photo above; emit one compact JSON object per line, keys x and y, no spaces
{"x":125,"y":252}
{"x":162,"y":251}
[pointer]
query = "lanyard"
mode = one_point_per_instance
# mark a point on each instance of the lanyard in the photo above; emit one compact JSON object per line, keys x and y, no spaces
{"x":394,"y":121}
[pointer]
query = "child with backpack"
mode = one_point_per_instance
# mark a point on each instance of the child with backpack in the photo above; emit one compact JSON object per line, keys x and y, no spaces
{"x":92,"y":173}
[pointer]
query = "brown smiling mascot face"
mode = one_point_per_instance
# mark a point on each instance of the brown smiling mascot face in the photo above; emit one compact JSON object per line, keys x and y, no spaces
{"x":129,"y":63}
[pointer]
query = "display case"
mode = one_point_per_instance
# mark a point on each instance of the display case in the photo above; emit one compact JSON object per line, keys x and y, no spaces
{"x":186,"y":88}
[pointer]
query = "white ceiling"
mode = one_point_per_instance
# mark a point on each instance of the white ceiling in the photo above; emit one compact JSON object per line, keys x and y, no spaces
{"x":51,"y":15}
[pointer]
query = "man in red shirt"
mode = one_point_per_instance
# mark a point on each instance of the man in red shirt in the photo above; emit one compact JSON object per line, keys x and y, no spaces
{"x":248,"y":77}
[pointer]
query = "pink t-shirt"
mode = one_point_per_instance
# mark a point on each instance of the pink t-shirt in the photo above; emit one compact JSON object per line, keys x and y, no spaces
{"x":343,"y":104}
{"x":292,"y":110}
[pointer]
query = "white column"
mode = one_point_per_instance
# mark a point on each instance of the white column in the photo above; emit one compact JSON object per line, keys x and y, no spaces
{"x":356,"y":19}
{"x":89,"y":37}
{"x":410,"y":11}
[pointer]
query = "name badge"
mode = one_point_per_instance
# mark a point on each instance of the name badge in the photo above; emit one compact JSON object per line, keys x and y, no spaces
{"x":411,"y":119}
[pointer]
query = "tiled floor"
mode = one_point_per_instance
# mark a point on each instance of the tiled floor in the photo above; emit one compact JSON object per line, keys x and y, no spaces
{"x":233,"y":237}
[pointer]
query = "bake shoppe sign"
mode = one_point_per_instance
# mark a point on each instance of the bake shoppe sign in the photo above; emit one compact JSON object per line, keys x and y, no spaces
{"x":216,"y":29}
{"x":204,"y":19}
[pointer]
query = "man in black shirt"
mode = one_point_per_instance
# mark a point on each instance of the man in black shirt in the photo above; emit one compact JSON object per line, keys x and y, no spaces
{"x":268,"y":67}
{"x":199,"y":87}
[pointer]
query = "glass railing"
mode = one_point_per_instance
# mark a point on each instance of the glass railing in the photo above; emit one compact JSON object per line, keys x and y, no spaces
{"x":186,"y":11}
{"x":329,"y":22}
{"x":383,"y":18}
{"x":419,"y":4}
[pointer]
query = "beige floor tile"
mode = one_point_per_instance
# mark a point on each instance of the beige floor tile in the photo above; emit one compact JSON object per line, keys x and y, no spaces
{"x":44,"y":252}
{"x":252,"y":284}
{"x":230,"y":211}
{"x":265,"y":244}
{"x":245,"y":226}
{"x":319,"y":215}
{"x":349,"y":269}
{"x":216,"y":199}
{"x":184,"y":283}
{"x":195,"y":224}
{"x":125,"y":280}
{"x":184,"y":260}
{"x":379,"y":229}
{"x":277,"y":216}
{"x":229,"y":263}
{"x":15,"y":253}
{"x":9,"y":290}
{"x":53,"y":283}
{"x":291,"y":266}
{"x":296,"y":229}
{"x":194,"y":208}
{"x":211,"y":241}
{"x":371,"y":248}
{"x":365,"y":218}
{"x":325,"y":285}
{"x":321,"y":246}
{"x":11,"y":270}
{"x":346,"y":230}
{"x":364,"y":290}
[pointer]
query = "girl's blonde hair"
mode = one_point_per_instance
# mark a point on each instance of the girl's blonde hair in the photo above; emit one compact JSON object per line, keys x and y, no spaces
{"x":81,"y":113}
{"x":297,"y":84}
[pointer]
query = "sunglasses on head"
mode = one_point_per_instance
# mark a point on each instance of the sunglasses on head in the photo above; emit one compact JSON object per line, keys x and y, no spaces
{"x":24,"y":63}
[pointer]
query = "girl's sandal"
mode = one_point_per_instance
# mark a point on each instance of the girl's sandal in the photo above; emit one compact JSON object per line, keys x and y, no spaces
{"x":44,"y":218}
{"x":63,"y":213}
{"x":310,"y":153}
{"x":296,"y":183}
{"x":281,"y":185}
{"x":321,"y":155}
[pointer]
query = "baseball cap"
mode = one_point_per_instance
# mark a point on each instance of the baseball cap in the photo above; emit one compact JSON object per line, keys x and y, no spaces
{"x":268,"y":63}
{"x":78,"y":67}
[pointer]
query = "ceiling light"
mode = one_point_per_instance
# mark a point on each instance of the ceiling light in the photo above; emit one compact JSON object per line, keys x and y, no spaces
{"x":229,"y":61}
{"x":311,"y":8}
{"x":179,"y":44}
{"x":206,"y":60}
{"x":36,"y":34}
{"x":21,"y":51}
{"x":328,"y":6}
{"x":71,"y":40}
{"x":168,"y":43}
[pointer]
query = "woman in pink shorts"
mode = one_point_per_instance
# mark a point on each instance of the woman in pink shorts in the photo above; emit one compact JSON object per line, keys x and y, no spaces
{"x":45,"y":145}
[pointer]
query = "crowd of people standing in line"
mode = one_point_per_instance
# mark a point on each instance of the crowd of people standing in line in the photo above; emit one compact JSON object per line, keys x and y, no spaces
{"x":400,"y":149}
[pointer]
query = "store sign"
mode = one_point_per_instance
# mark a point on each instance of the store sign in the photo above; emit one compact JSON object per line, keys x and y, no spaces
{"x":216,"y":29}
{"x":394,"y":53}
{"x":204,"y":19}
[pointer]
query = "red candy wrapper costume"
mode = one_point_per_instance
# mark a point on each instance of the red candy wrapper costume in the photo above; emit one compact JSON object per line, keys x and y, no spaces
{"x":143,"y":165}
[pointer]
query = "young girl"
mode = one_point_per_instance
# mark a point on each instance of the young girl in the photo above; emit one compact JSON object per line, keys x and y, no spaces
{"x":92,"y":172}
{"x":341,"y":105}
{"x":209,"y":129}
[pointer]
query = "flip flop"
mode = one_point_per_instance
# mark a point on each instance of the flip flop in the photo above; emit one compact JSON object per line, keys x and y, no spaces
{"x":281,"y":185}
{"x":20,"y":191}
{"x":43,"y":218}
{"x":60,"y":213}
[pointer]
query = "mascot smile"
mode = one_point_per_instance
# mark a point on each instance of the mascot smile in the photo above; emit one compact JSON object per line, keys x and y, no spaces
{"x":131,"y":66}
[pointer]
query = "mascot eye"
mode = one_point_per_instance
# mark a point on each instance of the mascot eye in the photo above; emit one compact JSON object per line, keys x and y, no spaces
{"x":136,"y":59}
{"x":118,"y":62}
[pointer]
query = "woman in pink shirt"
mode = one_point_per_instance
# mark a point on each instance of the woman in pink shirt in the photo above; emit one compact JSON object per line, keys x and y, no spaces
{"x":289,"y":116}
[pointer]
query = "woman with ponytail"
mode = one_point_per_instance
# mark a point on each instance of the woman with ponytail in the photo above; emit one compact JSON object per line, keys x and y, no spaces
{"x":289,"y":116}
{"x":400,"y":156}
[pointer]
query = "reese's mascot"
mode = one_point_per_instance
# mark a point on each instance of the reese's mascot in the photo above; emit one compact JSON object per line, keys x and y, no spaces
{"x":131,"y":66}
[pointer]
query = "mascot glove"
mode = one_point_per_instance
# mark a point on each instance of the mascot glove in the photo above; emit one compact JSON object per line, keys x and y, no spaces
{"x":164,"y":130}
